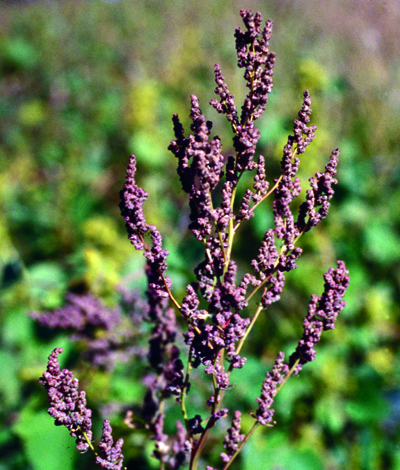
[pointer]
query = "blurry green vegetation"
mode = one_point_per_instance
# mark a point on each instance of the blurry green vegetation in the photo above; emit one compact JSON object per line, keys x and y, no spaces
{"x":82,"y":85}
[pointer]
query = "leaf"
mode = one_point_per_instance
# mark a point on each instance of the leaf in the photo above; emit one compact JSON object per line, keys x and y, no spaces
{"x":45,"y":445}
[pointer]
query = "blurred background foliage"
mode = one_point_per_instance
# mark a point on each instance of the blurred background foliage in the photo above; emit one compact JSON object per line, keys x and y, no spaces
{"x":85,"y":83}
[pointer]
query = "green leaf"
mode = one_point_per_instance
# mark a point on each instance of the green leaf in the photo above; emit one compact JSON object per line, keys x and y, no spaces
{"x":46,"y":446}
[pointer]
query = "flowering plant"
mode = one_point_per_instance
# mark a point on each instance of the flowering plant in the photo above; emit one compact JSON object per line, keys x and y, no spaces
{"x":218,"y":311}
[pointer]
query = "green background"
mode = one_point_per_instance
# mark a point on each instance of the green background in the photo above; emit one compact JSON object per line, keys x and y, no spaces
{"x":83,"y":85}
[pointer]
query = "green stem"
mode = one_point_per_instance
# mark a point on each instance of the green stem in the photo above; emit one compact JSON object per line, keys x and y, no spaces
{"x":253,"y":320}
{"x":173,"y":300}
{"x":231,"y":233}
{"x":242,"y":444}
{"x":184,"y":392}
{"x":84,"y":434}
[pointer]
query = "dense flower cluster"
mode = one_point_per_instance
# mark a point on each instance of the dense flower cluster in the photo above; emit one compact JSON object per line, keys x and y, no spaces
{"x":132,"y":198}
{"x":233,"y":437}
{"x":217,"y":306}
{"x":269,"y":389}
{"x":322,"y":314}
{"x":110,"y":457}
{"x":67,"y":403}
{"x":68,"y":408}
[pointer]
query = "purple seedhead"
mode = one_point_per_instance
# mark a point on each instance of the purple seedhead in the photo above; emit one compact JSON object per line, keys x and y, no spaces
{"x":273,"y":292}
{"x":267,"y":257}
{"x":322,"y":314}
{"x":157,"y":262}
{"x":223,"y":214}
{"x":289,"y":185}
{"x":254,"y":56}
{"x":303,"y":134}
{"x":220,"y":374}
{"x":233,"y":331}
{"x":131,"y":206}
{"x":200,"y":164}
{"x":67,"y":403}
{"x":318,"y":196}
{"x":265,"y":413}
{"x":110,"y":456}
{"x":233,"y":438}
{"x":178,"y":148}
{"x":244,"y":212}
{"x":212,"y":266}
{"x":190,"y":306}
{"x":226,"y":104}
{"x":260,"y":184}
{"x":252,"y":48}
{"x":163,"y":356}
{"x":68,"y":408}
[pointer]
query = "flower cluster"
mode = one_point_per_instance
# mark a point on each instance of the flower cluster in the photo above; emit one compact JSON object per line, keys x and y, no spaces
{"x":233,"y":437}
{"x":67,"y":403}
{"x":322,"y":314}
{"x":109,"y":457}
{"x":217,"y":309}
{"x":68,"y":408}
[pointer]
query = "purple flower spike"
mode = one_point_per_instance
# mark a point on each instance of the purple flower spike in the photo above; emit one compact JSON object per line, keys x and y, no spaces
{"x":233,"y":438}
{"x":178,"y":148}
{"x":300,"y":127}
{"x":67,"y":403}
{"x":226,"y":105}
{"x":132,"y":199}
{"x":221,"y":198}
{"x":319,"y":195}
{"x":221,"y":376}
{"x":322,"y":314}
{"x":131,"y":205}
{"x":279,"y":371}
{"x":260,"y":183}
{"x":267,"y":256}
{"x":110,"y":457}
{"x":254,"y":56}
